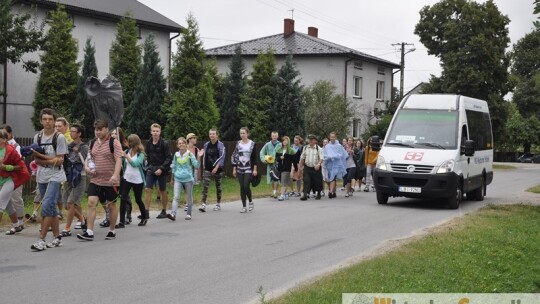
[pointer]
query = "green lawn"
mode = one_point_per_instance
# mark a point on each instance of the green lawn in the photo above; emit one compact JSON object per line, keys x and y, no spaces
{"x":535,"y":189}
{"x":496,"y":249}
{"x":230,"y":192}
{"x":503,"y":167}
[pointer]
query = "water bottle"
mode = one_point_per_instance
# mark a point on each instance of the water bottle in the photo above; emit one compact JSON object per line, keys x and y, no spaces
{"x":92,"y":166}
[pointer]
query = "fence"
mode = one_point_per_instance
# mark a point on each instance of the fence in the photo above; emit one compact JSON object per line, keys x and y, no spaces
{"x":30,"y":187}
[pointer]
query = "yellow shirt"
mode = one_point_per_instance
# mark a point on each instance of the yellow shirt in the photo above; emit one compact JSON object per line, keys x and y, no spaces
{"x":371,"y":156}
{"x":68,"y":137}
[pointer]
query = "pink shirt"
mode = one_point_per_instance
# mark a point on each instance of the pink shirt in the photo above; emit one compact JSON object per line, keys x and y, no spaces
{"x":105,"y":161}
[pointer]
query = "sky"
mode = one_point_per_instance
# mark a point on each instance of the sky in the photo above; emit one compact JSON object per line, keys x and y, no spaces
{"x":369,"y":26}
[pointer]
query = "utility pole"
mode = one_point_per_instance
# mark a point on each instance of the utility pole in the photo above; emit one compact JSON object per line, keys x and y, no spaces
{"x":402,"y":65}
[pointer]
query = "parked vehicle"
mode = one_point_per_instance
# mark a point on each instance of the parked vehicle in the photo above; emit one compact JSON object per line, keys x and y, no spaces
{"x":525,"y":158}
{"x":437,"y":146}
{"x":535,"y":159}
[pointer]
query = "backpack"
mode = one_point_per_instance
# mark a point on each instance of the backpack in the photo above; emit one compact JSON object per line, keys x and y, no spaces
{"x":111,"y":144}
{"x":375,"y":143}
{"x":54,"y":140}
{"x":274,"y":173}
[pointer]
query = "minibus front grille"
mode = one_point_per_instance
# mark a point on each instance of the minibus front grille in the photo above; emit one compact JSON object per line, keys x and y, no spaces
{"x":408,"y":168}
{"x":410,"y":182}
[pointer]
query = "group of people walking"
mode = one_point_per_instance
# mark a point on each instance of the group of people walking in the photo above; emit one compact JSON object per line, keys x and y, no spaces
{"x":111,"y":166}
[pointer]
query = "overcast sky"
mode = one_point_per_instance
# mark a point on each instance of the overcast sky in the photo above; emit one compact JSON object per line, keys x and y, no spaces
{"x":369,"y":26}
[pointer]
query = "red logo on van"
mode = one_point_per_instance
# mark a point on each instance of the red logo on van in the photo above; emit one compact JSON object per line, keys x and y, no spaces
{"x":417,"y":156}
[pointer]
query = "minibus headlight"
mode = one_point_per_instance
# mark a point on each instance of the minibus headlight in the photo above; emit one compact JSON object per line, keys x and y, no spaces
{"x":381,"y":164}
{"x":446,"y":166}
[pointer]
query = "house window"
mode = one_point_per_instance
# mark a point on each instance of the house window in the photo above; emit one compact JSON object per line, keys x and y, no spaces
{"x":380,"y":90}
{"x":358,"y":65}
{"x":380,"y":70}
{"x":355,"y":128}
{"x":357,"y":87}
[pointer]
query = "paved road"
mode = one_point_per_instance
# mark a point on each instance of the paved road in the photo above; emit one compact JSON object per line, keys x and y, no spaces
{"x":223,"y":257}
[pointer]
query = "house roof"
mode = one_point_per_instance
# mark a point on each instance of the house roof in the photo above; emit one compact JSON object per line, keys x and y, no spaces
{"x":298,"y":44}
{"x":113,"y":10}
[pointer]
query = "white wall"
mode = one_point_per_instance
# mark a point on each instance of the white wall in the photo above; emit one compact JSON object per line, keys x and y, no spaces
{"x":22,"y":85}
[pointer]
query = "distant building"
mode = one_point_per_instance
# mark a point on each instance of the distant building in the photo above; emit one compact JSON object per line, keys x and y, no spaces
{"x":91,"y":18}
{"x":363,"y":79}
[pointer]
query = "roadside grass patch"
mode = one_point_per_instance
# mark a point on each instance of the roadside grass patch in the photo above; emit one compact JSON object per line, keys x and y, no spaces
{"x":535,"y":189}
{"x":229,"y":186}
{"x":490,"y":251}
{"x":503,"y":167}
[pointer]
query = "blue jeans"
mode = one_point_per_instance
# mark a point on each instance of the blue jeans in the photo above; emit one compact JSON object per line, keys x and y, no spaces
{"x":49,"y":193}
{"x":178,"y":186}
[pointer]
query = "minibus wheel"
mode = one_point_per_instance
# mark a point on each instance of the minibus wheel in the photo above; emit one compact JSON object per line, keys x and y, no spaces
{"x":382,"y":198}
{"x":455,"y":200}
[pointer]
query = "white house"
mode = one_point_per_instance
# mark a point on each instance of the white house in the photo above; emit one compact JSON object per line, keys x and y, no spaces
{"x":365,"y":80}
{"x":92,"y":18}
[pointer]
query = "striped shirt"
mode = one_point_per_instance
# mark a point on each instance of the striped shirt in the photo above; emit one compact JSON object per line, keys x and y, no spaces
{"x":312,"y":156}
{"x":105,"y":161}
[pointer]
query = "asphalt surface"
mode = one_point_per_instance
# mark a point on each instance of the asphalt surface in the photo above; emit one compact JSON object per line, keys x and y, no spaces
{"x":225,"y":256}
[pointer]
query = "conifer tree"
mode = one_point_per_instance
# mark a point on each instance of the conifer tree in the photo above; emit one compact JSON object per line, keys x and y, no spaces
{"x":287,"y":106}
{"x":81,"y":109}
{"x":233,"y":89}
{"x":256,"y":103}
{"x":149,"y":93}
{"x":190,"y":105}
{"x":57,"y":83}
{"x":126,"y":57}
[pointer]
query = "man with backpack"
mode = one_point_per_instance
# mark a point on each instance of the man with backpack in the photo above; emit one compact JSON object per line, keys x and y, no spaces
{"x":103,"y":167}
{"x":74,"y":187}
{"x":312,"y":159}
{"x":49,"y":177}
{"x":159,"y":163}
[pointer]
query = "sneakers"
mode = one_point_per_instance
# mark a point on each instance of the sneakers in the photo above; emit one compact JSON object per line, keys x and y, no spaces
{"x":78,"y":225}
{"x":342,"y":189}
{"x":185,"y":207}
{"x":202,"y":208}
{"x":347,"y":194}
{"x":318,"y":197}
{"x":171,"y":216}
{"x":40,"y":245}
{"x":303,"y":198}
{"x":120,"y":225}
{"x":55,"y":243}
{"x":244,"y":210}
{"x":188,"y":217}
{"x":104,"y":224}
{"x":281,"y":198}
{"x":251,"y":206}
{"x":14,"y":230}
{"x":85,"y":236}
{"x":33,"y":218}
{"x":366,"y":189}
{"x":217,"y":207}
{"x":298,"y":194}
{"x":111,"y":235}
{"x":163,"y":214}
{"x":322,"y":193}
{"x":66,"y":233}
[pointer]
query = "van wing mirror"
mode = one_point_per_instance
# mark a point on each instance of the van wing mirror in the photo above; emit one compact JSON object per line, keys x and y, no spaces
{"x":469,"y":148}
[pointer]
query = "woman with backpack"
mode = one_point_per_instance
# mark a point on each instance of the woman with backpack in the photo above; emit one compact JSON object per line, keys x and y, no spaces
{"x":133,"y":178}
{"x":183,"y":164}
{"x":370,"y":160}
{"x":285,"y":157}
{"x":244,"y":162}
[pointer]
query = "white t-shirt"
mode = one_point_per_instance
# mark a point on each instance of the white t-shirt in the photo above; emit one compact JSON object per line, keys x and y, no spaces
{"x":52,"y":173}
{"x":132,"y":174}
{"x":244,"y":151}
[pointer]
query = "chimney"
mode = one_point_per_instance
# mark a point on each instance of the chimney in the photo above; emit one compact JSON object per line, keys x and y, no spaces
{"x":288,"y":28}
{"x":313,"y":31}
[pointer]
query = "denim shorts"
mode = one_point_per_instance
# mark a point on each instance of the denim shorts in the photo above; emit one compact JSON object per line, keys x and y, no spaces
{"x":49,"y":192}
{"x":151,"y":179}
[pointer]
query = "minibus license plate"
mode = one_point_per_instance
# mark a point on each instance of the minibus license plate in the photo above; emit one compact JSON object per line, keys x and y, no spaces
{"x":410,"y":189}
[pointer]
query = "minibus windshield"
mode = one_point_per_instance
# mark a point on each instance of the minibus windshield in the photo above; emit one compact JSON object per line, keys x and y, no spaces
{"x":427,"y":129}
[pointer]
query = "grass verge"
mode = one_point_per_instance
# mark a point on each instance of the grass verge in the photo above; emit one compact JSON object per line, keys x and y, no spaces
{"x":535,"y":189}
{"x":229,"y":186}
{"x":493,"y":250}
{"x":503,"y":167}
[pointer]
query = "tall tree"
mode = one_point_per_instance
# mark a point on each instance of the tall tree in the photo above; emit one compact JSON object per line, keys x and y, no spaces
{"x":126,"y":57}
{"x":257,"y":100}
{"x":190,"y":105}
{"x":20,"y":35}
{"x":81,"y":109}
{"x":288,"y":105}
{"x":536,"y":12}
{"x":526,"y":74}
{"x":57,"y":83}
{"x":325,"y":110}
{"x":234,"y":86}
{"x":149,"y":93}
{"x":470,"y":40}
